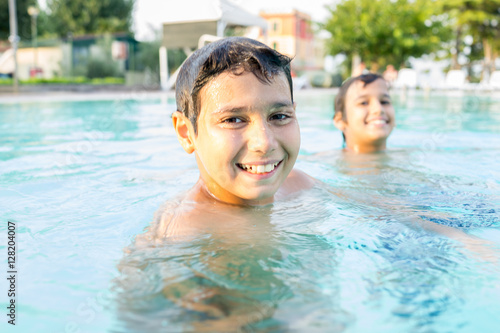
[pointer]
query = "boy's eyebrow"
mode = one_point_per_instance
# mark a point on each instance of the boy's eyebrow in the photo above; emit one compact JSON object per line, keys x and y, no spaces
{"x":279,"y":105}
{"x":382,"y":95}
{"x":272,"y":106}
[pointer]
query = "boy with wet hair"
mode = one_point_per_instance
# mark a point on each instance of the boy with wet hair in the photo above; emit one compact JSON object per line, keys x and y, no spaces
{"x":364,"y":113}
{"x":237,"y":115}
{"x":235,"y":112}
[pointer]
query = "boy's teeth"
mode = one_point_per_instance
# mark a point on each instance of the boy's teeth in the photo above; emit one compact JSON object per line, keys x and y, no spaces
{"x":377,"y":122}
{"x":259,"y":168}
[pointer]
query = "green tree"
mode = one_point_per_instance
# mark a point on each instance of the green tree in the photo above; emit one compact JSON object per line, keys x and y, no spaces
{"x":479,"y":19}
{"x":90,"y":16}
{"x":23,"y":19}
{"x":385,"y":32}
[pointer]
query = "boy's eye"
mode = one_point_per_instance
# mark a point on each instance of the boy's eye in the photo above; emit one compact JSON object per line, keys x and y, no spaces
{"x":385,"y":102}
{"x":232,"y":120}
{"x":278,"y":116}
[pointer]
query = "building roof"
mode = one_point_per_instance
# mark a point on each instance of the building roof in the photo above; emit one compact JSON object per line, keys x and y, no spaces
{"x":212,"y":10}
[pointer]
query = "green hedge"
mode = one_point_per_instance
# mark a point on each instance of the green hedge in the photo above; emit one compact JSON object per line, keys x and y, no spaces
{"x":66,"y":80}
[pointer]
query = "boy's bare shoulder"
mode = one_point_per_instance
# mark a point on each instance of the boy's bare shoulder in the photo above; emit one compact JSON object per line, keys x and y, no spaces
{"x":296,"y":181}
{"x":302,"y":177}
{"x":180,"y":217}
{"x":190,"y":215}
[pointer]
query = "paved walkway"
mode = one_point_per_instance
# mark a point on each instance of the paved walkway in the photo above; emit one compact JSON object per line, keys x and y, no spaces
{"x":50,"y":96}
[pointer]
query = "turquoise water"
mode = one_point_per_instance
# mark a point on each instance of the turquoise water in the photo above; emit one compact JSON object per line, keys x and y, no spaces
{"x":82,"y":179}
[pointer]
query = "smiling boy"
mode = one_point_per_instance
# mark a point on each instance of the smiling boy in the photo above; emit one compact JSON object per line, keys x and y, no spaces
{"x":235,"y":112}
{"x":364,"y":113}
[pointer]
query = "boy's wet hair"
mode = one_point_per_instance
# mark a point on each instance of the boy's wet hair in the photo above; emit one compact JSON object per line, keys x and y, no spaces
{"x":237,"y":55}
{"x":340,"y":98}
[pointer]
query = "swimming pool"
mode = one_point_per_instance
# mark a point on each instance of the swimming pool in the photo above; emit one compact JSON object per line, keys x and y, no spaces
{"x":82,"y":178}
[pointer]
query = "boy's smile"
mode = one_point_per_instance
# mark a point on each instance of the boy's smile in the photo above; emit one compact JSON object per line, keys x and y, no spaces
{"x":369,"y":116}
{"x":247,"y":139}
{"x":259,"y":169}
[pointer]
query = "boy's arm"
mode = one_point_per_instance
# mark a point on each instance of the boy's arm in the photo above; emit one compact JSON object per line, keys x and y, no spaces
{"x":230,"y":310}
{"x":480,"y":248}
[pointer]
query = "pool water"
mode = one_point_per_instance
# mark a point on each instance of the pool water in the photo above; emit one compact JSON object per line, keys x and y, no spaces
{"x":83,"y":178}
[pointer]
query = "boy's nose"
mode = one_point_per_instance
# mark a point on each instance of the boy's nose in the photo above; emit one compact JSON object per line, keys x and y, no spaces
{"x":376,"y":107}
{"x":261,"y":138}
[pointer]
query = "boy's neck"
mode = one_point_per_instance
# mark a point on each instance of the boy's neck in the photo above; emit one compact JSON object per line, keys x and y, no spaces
{"x":366,"y":149}
{"x":205,"y":194}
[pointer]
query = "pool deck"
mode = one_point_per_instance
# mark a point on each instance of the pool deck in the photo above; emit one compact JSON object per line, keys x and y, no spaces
{"x":51,"y":96}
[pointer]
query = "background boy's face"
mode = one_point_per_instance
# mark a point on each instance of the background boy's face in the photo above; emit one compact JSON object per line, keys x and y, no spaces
{"x":248,"y":137}
{"x":369,"y":115}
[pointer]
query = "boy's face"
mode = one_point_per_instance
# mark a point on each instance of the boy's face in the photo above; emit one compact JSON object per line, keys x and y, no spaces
{"x":369,"y":116}
{"x":248,"y":137}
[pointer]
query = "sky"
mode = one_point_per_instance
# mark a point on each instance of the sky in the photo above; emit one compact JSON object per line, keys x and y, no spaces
{"x":148,"y":18}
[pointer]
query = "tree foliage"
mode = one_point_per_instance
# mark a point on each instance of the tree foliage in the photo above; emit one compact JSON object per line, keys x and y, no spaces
{"x":23,"y":18}
{"x":479,"y":19}
{"x":81,"y":17}
{"x":385,"y":32}
{"x":480,"y":16}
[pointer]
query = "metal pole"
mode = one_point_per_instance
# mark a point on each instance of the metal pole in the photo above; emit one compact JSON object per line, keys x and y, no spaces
{"x":36,"y":43}
{"x":70,"y":39}
{"x":33,"y":40}
{"x":33,"y":12}
{"x":14,"y":40}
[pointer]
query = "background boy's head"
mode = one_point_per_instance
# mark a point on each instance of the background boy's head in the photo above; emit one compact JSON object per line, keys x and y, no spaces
{"x":340,"y":99}
{"x":364,"y":113}
{"x":234,"y":54}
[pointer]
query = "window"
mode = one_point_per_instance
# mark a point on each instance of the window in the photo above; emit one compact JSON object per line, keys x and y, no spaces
{"x":275,"y":25}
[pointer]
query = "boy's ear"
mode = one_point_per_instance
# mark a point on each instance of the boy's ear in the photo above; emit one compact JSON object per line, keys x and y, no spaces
{"x":182,"y":127}
{"x":338,"y":121}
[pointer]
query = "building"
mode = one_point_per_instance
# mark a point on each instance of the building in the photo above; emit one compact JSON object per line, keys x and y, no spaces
{"x":69,"y":57}
{"x":79,"y":50}
{"x":290,"y":33}
{"x":44,"y":61}
{"x":192,"y":23}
